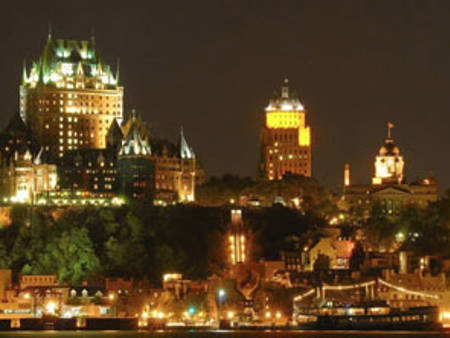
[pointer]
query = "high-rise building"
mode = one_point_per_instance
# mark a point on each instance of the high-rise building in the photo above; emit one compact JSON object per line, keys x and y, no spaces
{"x":70,"y":97}
{"x":285,"y":137}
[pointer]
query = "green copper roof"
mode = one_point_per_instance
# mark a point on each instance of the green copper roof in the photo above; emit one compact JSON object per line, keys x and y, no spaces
{"x":66,"y":63}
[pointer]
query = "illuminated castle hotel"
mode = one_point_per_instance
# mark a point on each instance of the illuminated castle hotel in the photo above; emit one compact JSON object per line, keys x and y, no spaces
{"x":70,"y":97}
{"x":389,"y":189}
{"x":70,"y":139}
{"x":285,"y":137}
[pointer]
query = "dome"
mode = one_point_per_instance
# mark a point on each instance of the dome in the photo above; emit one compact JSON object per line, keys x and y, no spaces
{"x":389,"y":148}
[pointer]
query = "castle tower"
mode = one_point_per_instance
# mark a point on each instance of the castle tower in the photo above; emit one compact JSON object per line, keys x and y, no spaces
{"x":70,"y":97}
{"x":187,"y":182}
{"x":285,"y":137}
{"x":136,"y":168}
{"x":346,"y":175}
{"x":389,"y":163}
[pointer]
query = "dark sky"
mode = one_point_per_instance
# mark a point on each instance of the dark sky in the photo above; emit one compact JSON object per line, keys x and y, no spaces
{"x":212,"y":65}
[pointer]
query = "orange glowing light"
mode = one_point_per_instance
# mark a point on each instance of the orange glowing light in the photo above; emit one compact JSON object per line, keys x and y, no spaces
{"x":284,"y":120}
{"x":304,"y":137}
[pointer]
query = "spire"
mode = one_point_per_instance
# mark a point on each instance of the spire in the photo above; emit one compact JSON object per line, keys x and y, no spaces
{"x":118,"y":71}
{"x":93,"y":35}
{"x":186,"y":152}
{"x":133,"y":114}
{"x":38,"y":159}
{"x":390,"y":126}
{"x":24,"y":73}
{"x":41,"y":72}
{"x":49,"y":36}
{"x":285,"y":89}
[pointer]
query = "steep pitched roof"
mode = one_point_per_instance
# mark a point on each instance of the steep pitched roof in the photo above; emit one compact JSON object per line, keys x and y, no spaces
{"x":17,"y":136}
{"x":186,"y":152}
{"x":134,"y":143}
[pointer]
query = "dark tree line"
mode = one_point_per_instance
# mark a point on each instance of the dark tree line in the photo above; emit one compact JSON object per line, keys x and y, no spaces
{"x":139,"y":240}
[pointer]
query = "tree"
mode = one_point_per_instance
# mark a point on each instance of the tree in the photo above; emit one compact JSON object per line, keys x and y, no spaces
{"x":380,"y":230}
{"x":71,"y":256}
{"x":321,"y":267}
{"x":357,"y":257}
{"x":322,"y":263}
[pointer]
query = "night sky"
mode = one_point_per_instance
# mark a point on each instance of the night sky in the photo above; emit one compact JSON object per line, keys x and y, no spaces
{"x":212,"y":66}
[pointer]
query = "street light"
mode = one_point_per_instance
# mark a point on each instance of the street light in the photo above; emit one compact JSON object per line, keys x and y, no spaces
{"x":221,"y":297}
{"x":222,"y":294}
{"x":51,"y":307}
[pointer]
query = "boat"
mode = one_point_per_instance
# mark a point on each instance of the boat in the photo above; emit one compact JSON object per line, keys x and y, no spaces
{"x":373,"y":315}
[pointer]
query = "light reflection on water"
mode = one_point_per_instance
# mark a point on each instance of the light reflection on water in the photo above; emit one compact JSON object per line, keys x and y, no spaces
{"x":223,"y":334}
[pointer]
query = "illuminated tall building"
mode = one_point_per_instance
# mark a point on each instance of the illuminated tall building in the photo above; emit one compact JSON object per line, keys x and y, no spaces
{"x":70,"y":97}
{"x":285,"y":137}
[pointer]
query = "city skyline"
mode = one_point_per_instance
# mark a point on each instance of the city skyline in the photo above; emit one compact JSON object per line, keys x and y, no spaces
{"x":338,"y":69}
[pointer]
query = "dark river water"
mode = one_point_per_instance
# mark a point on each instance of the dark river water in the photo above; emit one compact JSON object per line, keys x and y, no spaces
{"x":223,"y":334}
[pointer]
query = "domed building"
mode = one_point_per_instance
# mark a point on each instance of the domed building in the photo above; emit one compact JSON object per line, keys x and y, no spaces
{"x":389,"y":163}
{"x":389,"y":189}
